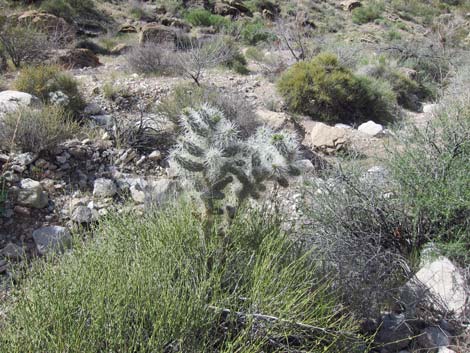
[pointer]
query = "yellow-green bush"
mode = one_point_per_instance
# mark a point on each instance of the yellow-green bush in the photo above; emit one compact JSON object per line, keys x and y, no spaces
{"x":44,"y":80}
{"x":327,"y":91}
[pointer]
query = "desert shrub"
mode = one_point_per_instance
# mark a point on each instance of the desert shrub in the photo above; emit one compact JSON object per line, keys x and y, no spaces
{"x":22,"y":44}
{"x":363,"y":233}
{"x":51,"y":85}
{"x":416,"y":9}
{"x":70,"y":9}
{"x":143,"y":284}
{"x":236,"y":61}
{"x":231,"y":104}
{"x":151,"y":59}
{"x":138,"y":9}
{"x":438,"y":157}
{"x":253,"y":32}
{"x":327,"y":91}
{"x":254,"y":53}
{"x":36,"y":130}
{"x":368,"y":12}
{"x":202,"y":17}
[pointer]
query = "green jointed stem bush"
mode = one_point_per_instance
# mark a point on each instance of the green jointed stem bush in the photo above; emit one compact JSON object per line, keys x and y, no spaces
{"x":325,"y":90}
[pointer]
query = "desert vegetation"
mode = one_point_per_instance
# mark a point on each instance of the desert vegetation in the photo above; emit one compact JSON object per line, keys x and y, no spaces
{"x":234,"y":176}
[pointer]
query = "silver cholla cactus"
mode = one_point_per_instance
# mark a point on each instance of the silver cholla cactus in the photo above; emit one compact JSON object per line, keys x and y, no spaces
{"x":211,"y":151}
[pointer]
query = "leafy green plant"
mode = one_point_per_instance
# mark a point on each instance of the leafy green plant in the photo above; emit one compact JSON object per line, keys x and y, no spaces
{"x":142,"y":284}
{"x":367,"y":13}
{"x":327,"y":91}
{"x":31,"y":130}
{"x":51,"y":85}
{"x":253,"y":32}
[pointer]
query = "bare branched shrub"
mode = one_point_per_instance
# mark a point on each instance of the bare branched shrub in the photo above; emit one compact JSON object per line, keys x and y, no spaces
{"x":363,"y":235}
{"x":151,"y":58}
{"x":200,"y":55}
{"x":32,"y":130}
{"x":23,"y":44}
{"x":295,"y":37}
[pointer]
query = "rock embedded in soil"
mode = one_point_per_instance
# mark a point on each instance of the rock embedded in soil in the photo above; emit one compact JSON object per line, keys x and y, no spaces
{"x":52,"y":239}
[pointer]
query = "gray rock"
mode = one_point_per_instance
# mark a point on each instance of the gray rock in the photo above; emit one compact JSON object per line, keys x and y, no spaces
{"x":305,"y":165}
{"x":433,"y":337}
{"x":25,"y":159}
{"x":31,"y":194}
{"x":155,"y":156}
{"x":104,"y":188}
{"x":52,"y":239}
{"x":394,"y":333}
{"x":105,"y":120}
{"x":13,"y":252}
{"x":372,"y":129}
{"x":92,"y":109}
{"x":12,"y":100}
{"x":82,"y":215}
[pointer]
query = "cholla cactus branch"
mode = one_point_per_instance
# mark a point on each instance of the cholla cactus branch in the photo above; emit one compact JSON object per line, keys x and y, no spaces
{"x":215,"y":156}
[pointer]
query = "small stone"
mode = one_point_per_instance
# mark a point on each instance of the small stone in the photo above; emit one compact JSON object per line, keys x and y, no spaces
{"x":372,"y":129}
{"x":32,"y":194}
{"x":155,"y":156}
{"x":49,"y":239}
{"x":13,"y":252}
{"x":82,"y":215}
{"x":25,"y":159}
{"x":61,"y":159}
{"x":24,"y":211}
{"x":104,"y":188}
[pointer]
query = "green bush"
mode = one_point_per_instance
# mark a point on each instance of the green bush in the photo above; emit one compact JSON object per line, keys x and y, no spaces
{"x":144,"y":284}
{"x":327,"y":91}
{"x":44,"y":80}
{"x":367,"y":13}
{"x":253,"y":32}
{"x":237,"y":61}
{"x":431,"y":166}
{"x":36,"y":130}
{"x":202,"y":17}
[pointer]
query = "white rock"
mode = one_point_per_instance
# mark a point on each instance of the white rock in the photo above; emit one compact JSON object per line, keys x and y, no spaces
{"x":32,"y":194}
{"x":52,"y":238}
{"x":430,"y":108}
{"x":371,"y":128}
{"x":444,"y":281}
{"x":343,"y":126}
{"x":12,"y":100}
{"x":445,"y":350}
{"x":155,"y":156}
{"x":104,"y":188}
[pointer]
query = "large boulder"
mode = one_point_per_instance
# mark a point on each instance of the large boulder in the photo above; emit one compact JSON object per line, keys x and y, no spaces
{"x":75,"y":58}
{"x":12,"y":100}
{"x":158,"y":34}
{"x":56,"y":27}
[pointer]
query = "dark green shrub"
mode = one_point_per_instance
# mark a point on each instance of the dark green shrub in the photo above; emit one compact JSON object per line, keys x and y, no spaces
{"x":368,"y":12}
{"x":44,"y":80}
{"x":202,"y":17}
{"x":327,"y":91}
{"x":144,"y":284}
{"x":237,"y":61}
{"x":36,"y":130}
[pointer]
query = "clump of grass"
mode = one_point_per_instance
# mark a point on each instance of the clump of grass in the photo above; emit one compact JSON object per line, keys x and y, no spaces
{"x":48,"y":83}
{"x":33,"y":130}
{"x":202,"y":17}
{"x":144,"y":284}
